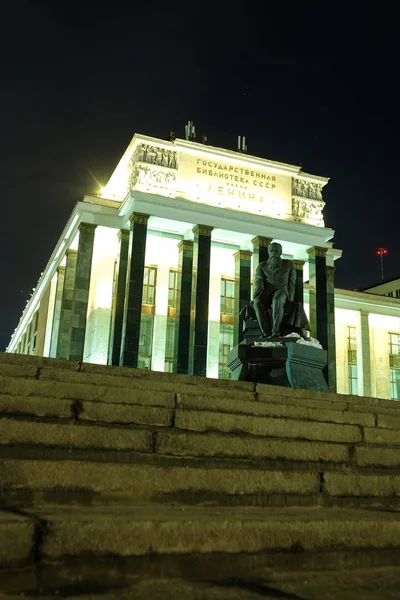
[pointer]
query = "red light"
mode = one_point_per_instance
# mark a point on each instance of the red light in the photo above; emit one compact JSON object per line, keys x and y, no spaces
{"x":381,"y":251}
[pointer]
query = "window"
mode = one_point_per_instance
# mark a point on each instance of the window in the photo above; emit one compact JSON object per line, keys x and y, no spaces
{"x":352,"y":375}
{"x":145,"y":342}
{"x":394,"y":364}
{"x":28,"y":338}
{"x":34,"y":331}
{"x":149,"y":286}
{"x":170,"y":346}
{"x":225,"y":345}
{"x":397,"y":293}
{"x":227,"y":296}
{"x":173,"y":288}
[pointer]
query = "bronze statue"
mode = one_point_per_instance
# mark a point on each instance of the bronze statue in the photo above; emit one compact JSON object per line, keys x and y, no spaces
{"x":277,"y":313}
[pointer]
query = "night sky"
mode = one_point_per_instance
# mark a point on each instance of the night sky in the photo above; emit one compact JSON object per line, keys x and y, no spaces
{"x":303,"y":86}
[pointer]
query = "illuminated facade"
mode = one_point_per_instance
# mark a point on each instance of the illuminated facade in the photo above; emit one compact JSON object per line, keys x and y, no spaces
{"x":152,"y":272}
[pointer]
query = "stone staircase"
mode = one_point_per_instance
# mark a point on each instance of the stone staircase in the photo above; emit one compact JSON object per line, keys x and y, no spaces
{"x":120,"y":483}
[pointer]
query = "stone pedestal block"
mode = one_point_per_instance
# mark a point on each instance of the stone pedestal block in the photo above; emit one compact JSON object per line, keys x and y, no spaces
{"x":290,"y":365}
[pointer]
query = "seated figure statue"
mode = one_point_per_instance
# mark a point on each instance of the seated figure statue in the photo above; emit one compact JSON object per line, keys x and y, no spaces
{"x":275,"y":280}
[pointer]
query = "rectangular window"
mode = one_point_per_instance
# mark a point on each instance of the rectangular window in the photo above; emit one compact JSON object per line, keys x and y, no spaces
{"x":28,"y":338}
{"x":227,"y":296}
{"x":394,"y":364}
{"x":352,"y":375}
{"x":173,"y":288}
{"x":170,"y":346}
{"x":145,"y":342}
{"x":149,"y":286}
{"x":34,"y":331}
{"x":225,"y":346}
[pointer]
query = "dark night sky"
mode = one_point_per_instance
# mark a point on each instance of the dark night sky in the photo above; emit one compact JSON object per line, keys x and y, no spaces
{"x":77,"y":81}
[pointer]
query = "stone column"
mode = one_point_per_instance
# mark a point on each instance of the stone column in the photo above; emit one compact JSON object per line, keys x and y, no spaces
{"x":260,"y":251}
{"x":322,"y":313}
{"x":42,"y":320}
{"x":298,"y":292}
{"x":242,"y":290}
{"x":81,"y":290}
{"x":57,"y":312}
{"x":200,"y":300}
{"x":118,"y":316}
{"x":331,"y":342}
{"x":134,"y":291}
{"x":183,"y":306}
{"x":364,"y":357}
{"x":64,"y":331}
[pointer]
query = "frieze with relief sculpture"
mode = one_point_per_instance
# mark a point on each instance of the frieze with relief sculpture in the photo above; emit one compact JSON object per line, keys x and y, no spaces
{"x":154,"y":155}
{"x":307,"y":210}
{"x":153,"y":178}
{"x":306,"y":189}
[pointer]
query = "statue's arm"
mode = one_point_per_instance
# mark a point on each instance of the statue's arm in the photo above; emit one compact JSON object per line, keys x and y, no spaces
{"x":291,"y":282}
{"x":259,"y":282}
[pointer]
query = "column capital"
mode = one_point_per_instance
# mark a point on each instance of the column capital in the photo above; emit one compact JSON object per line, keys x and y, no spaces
{"x":243,"y":254}
{"x":185,"y":246}
{"x":298,"y":264}
{"x":259,"y":240}
{"x":317,"y":251}
{"x":139,"y":218}
{"x":87,"y":227}
{"x":70,"y":252}
{"x":202,"y":230}
{"x":123,"y":234}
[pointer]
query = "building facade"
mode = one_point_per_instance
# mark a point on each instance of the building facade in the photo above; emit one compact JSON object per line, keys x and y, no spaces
{"x":153,"y":272}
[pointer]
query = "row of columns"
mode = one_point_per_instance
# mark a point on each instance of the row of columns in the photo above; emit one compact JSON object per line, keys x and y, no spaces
{"x":72,"y":296}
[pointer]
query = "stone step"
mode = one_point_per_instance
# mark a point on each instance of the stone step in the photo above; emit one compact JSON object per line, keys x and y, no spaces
{"x":140,"y":531}
{"x":184,"y":482}
{"x":152,"y":481}
{"x":73,"y":435}
{"x":120,"y":377}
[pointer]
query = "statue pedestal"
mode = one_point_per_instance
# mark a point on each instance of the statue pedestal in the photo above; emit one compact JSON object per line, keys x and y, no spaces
{"x":290,"y":365}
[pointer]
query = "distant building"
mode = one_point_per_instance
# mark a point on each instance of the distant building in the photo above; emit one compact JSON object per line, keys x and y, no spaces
{"x":153,"y":271}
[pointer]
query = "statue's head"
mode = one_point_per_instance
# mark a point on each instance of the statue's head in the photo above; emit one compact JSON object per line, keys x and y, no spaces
{"x":274,"y":249}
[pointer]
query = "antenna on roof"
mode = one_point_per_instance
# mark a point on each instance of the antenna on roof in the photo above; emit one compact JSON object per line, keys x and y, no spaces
{"x":172,"y":136}
{"x":190,"y":131}
{"x":204,"y":139}
{"x":242,"y":147}
{"x":382,"y":252}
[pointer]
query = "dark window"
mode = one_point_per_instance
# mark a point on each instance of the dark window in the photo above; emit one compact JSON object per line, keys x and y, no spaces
{"x":149,"y":286}
{"x":394,"y":364}
{"x":352,"y":375}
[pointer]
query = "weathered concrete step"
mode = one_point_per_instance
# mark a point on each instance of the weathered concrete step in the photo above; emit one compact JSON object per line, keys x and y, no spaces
{"x":16,"y":366}
{"x":21,"y":433}
{"x":142,"y":531}
{"x":186,"y":482}
{"x":74,"y":435}
{"x":263,"y":426}
{"x":318,"y":411}
{"x":247,"y":446}
{"x":151,"y":482}
{"x":140,"y":407}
